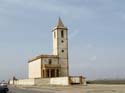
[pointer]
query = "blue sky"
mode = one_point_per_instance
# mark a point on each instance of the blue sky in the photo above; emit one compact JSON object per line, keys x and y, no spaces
{"x":96,"y":35}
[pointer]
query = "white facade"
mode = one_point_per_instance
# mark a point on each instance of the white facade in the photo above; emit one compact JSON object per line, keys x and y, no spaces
{"x":35,"y":69}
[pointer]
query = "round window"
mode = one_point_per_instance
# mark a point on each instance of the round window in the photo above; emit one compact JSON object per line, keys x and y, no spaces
{"x":62,"y":50}
{"x":62,"y":41}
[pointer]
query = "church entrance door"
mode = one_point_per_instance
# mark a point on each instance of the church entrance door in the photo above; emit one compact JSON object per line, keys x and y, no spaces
{"x":52,"y":73}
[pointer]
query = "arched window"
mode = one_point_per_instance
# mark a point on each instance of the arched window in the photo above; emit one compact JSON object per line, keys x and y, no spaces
{"x":57,"y":73}
{"x":50,"y":61}
{"x":62,"y":33}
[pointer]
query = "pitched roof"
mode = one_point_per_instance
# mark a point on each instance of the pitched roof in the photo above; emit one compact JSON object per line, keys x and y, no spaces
{"x":59,"y":23}
{"x":42,"y":56}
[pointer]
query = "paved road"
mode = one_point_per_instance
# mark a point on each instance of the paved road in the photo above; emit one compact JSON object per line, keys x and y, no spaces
{"x":21,"y":90}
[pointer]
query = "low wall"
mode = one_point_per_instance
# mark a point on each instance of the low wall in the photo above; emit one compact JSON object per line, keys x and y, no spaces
{"x":23,"y":82}
{"x":59,"y":81}
{"x":77,"y":80}
{"x":11,"y":82}
{"x":84,"y":82}
{"x":43,"y":81}
{"x":50,"y":81}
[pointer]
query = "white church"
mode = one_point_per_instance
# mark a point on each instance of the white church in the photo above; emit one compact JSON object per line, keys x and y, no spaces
{"x":52,"y":69}
{"x":56,"y":65}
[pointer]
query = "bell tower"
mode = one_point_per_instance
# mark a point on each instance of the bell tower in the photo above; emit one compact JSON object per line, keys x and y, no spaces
{"x":60,"y":46}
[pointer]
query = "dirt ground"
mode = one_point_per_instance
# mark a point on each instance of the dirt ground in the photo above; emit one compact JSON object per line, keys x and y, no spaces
{"x":90,"y":88}
{"x":94,"y":88}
